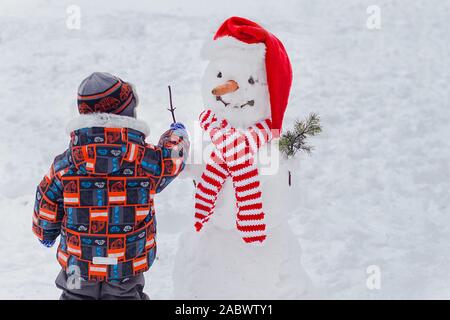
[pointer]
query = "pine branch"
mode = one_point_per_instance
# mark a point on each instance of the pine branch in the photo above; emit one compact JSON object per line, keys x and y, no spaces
{"x":294,"y":141}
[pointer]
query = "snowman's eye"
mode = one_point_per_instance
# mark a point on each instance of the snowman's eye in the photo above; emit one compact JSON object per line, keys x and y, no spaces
{"x":251,"y":80}
{"x":219,"y":75}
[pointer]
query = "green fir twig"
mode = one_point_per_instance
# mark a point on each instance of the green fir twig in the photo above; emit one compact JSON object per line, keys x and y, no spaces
{"x":294,"y":140}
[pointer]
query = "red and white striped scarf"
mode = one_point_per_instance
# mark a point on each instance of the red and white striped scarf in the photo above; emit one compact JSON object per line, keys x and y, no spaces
{"x":233,"y":156}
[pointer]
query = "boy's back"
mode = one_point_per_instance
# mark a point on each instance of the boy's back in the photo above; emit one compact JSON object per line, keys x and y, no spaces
{"x":98,"y":194}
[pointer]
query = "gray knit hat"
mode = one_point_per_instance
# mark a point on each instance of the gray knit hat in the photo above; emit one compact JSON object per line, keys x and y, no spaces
{"x":102,"y":92}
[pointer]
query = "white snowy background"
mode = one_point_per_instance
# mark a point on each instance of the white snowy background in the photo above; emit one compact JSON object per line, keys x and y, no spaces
{"x":376,"y":191}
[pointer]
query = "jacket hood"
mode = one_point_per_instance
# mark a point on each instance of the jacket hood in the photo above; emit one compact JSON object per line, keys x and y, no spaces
{"x":107,"y":120}
{"x":102,"y":146}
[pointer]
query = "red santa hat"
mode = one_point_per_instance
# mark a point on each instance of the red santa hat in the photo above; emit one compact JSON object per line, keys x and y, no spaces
{"x":239,"y":36}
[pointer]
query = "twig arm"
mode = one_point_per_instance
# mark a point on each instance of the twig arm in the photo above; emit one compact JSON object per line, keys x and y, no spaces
{"x":171,"y":109}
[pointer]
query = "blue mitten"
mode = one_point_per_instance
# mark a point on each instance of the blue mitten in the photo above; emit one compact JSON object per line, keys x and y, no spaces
{"x":177,"y":126}
{"x":47,"y":243}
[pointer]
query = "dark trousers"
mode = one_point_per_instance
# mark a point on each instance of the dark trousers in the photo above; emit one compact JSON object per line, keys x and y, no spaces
{"x":131,"y":289}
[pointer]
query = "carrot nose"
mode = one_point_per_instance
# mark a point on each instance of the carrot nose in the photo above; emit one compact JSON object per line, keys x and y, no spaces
{"x":227,"y":87}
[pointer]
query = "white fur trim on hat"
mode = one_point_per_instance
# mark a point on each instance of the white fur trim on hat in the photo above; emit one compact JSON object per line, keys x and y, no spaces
{"x":107,"y":120}
{"x":229,"y":47}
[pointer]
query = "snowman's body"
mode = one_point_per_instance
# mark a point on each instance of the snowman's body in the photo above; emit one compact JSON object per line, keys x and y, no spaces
{"x":216,"y":263}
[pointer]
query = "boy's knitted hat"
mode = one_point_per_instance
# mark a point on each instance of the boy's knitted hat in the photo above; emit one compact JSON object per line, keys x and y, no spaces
{"x":102,"y":92}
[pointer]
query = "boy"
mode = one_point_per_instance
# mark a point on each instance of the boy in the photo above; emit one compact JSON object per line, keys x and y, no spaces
{"x":98,"y":194}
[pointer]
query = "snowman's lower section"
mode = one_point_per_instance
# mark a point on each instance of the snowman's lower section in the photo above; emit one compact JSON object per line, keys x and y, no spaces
{"x":217,"y":264}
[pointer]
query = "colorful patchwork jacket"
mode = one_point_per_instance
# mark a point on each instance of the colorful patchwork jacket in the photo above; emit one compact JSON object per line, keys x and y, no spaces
{"x":98,"y":195}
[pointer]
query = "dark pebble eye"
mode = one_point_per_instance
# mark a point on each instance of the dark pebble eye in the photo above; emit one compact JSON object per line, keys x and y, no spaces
{"x":251,"y":80}
{"x":219,"y":75}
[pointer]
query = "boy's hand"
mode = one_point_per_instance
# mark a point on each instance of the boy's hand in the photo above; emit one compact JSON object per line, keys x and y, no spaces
{"x":47,"y":243}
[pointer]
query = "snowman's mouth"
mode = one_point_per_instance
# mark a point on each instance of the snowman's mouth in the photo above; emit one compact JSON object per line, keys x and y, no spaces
{"x":219,"y":98}
{"x":249,"y":103}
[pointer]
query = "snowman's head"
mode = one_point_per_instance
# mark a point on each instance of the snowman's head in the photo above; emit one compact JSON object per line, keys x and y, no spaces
{"x":235,"y":87}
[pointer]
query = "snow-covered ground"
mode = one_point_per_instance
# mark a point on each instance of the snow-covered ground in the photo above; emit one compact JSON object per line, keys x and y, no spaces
{"x":376,"y":190}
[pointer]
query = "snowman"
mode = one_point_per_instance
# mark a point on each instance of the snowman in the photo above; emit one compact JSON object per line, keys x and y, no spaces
{"x":243,"y":246}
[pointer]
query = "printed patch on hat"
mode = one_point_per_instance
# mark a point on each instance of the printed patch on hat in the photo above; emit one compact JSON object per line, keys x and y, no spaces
{"x":106,"y":105}
{"x":84,"y":108}
{"x":125,"y":91}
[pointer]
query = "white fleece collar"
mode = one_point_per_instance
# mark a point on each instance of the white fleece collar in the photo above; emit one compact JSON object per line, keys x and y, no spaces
{"x":107,"y":120}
